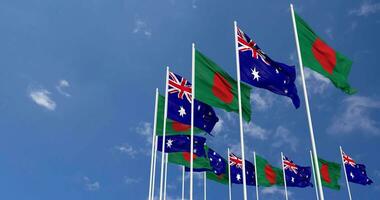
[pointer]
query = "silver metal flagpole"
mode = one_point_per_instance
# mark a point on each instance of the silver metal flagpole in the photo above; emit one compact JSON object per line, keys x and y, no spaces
{"x":192,"y":119}
{"x":257,"y":183}
{"x":313,"y":145}
{"x":183,"y":182}
{"x":204,"y":186}
{"x":240,"y":113}
{"x":283,"y":172}
{"x":153,"y":143}
{"x":166,"y":174}
{"x":154,"y":166}
{"x":345,"y":173}
{"x":164,"y":133}
{"x":229,"y":175}
{"x":315,"y":179}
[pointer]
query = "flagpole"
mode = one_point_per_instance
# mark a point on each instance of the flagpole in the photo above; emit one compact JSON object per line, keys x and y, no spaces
{"x":192,"y":119}
{"x":315,"y":180}
{"x":153,"y":143}
{"x":154,"y":166}
{"x":283,"y":172}
{"x":166,"y":174}
{"x":183,"y":182}
{"x":257,"y":183}
{"x":345,"y":173}
{"x":204,"y":186}
{"x":164,"y":133}
{"x":313,"y":145}
{"x":229,"y":175}
{"x":240,"y":113}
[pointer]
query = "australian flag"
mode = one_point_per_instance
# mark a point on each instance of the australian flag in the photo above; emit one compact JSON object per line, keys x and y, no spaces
{"x":258,"y":70}
{"x":181,"y":143}
{"x":296,"y":176}
{"x":179,"y":105}
{"x":236,"y":169}
{"x":217,"y":162}
{"x":356,"y":173}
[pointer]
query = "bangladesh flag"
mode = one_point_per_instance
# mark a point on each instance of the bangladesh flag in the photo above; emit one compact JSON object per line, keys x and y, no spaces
{"x":221,"y":178}
{"x":183,"y":158}
{"x":217,"y":88}
{"x":172,"y":127}
{"x":320,"y":57}
{"x":330,"y":173}
{"x":267,"y":175}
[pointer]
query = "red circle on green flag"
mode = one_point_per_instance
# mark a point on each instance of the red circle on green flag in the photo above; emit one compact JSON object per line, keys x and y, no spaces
{"x":325,"y":173}
{"x":179,"y":127}
{"x":270,"y":175}
{"x":325,"y":55}
{"x":222,"y":89}
{"x":186,"y":156}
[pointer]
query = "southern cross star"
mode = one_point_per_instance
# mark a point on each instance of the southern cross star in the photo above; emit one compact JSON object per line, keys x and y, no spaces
{"x":255,"y":74}
{"x":169,"y":143}
{"x":182,"y":111}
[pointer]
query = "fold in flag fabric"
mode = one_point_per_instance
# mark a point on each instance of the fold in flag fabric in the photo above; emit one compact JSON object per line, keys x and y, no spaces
{"x":217,"y":88}
{"x":172,"y":127}
{"x":320,"y":57}
{"x":219,"y":168}
{"x":179,"y":105}
{"x":200,"y":160}
{"x":330,"y":173}
{"x":181,"y":143}
{"x":259,"y":70}
{"x":267,"y":175}
{"x":295,"y":175}
{"x":237,"y":171}
{"x":356,"y":173}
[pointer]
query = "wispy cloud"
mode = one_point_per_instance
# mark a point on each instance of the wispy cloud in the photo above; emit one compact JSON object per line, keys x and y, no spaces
{"x":274,"y":190}
{"x":262,"y":100}
{"x":145,"y":129}
{"x":127,"y":149}
{"x":218,"y":127}
{"x":194,"y":4}
{"x":130,"y":180}
{"x":316,"y":83}
{"x":141,"y":27}
{"x":255,"y":131}
{"x":42,"y":98}
{"x":283,"y":137}
{"x":356,"y":115}
{"x":91,"y":185}
{"x":366,"y":8}
{"x":62,"y":85}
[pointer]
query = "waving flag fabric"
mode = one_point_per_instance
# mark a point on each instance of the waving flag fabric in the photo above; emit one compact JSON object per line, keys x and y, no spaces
{"x":179,"y":105}
{"x":257,"y":69}
{"x":181,"y":143}
{"x":200,"y":160}
{"x":237,"y":171}
{"x":217,"y":88}
{"x":296,"y":176}
{"x":356,"y":173}
{"x":330,"y":173}
{"x":172,"y":127}
{"x":267,"y":175}
{"x":320,"y":57}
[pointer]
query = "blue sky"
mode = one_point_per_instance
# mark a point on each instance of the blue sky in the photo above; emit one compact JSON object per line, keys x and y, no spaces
{"x":78,"y":78}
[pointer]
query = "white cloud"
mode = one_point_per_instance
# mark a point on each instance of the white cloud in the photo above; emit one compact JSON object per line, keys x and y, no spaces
{"x":255,"y":131}
{"x":316,"y":83}
{"x":366,"y":8}
{"x":127,"y":149}
{"x":41,"y":97}
{"x":283,"y":137}
{"x":62,"y":84}
{"x":274,"y":190}
{"x":141,"y":27}
{"x":262,"y":100}
{"x":91,"y":185}
{"x":356,"y":115}
{"x":129,"y":180}
{"x":218,"y":127}
{"x":145,"y":129}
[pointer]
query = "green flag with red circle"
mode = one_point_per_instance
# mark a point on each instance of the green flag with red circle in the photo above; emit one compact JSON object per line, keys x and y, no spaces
{"x":267,"y":175}
{"x":330,"y":173}
{"x":217,"y":88}
{"x":320,"y":57}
